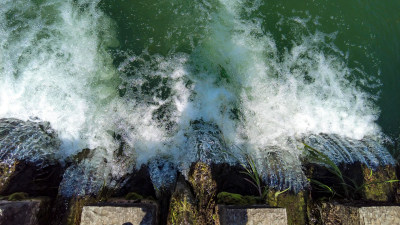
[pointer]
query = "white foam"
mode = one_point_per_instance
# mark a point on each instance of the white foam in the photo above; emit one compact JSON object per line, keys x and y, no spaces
{"x":287,"y":95}
{"x":55,"y":70}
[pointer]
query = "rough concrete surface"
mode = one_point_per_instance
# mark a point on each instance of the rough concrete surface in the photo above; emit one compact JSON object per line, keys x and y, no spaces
{"x":252,"y":215}
{"x":358,"y":215}
{"x":143,"y":214}
{"x":19,"y":212}
{"x":382,"y":215}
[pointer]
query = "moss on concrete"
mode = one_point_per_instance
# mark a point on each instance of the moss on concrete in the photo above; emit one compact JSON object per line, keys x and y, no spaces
{"x":182,"y":211}
{"x":17,"y":196}
{"x":205,"y":190}
{"x":332,"y":213}
{"x":75,"y":209}
{"x":133,"y":196}
{"x":295,"y":204}
{"x":227,"y":198}
{"x":375,"y":186}
{"x":252,"y":200}
{"x":182,"y":208}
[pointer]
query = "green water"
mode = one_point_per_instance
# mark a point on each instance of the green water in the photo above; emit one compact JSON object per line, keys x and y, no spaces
{"x":367,"y":32}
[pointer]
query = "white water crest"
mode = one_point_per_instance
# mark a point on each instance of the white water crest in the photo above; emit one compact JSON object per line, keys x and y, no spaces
{"x":53,"y":65}
{"x":234,"y":93}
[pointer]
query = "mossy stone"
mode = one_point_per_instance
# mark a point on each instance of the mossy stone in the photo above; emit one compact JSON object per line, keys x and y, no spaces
{"x":82,"y":155}
{"x":235,"y":199}
{"x":75,"y":209}
{"x":251,"y":200}
{"x":295,"y":204}
{"x":17,"y":196}
{"x":133,"y":196}
{"x":6,"y":173}
{"x":182,"y":211}
{"x":182,"y":208}
{"x":375,"y":186}
{"x":205,"y":190}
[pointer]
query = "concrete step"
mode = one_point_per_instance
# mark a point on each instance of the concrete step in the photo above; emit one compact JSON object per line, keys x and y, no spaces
{"x":251,"y":215}
{"x":120,"y":214}
{"x":361,"y":215}
{"x":26,"y":212}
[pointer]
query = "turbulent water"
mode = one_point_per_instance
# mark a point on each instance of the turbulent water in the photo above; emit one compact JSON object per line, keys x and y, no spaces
{"x":167,"y":83}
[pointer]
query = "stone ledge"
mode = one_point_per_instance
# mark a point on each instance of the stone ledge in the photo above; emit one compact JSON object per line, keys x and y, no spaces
{"x":380,"y":215}
{"x":120,"y":213}
{"x":26,"y":212}
{"x":363,"y":215}
{"x":252,"y":215}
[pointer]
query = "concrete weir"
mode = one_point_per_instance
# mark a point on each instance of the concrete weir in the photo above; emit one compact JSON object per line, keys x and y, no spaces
{"x":361,"y":215}
{"x":138,"y":213}
{"x":252,"y":215}
{"x":26,"y":212}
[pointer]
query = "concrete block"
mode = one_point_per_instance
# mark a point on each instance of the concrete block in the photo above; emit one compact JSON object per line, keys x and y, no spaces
{"x":138,"y":213}
{"x":360,"y":215}
{"x":251,"y":215}
{"x":386,"y":215}
{"x":20,"y":212}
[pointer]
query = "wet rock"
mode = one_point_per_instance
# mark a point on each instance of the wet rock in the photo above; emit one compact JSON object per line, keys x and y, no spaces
{"x":163,"y":177}
{"x":31,"y":141}
{"x":333,"y":213}
{"x":163,"y":174}
{"x":28,"y":157}
{"x":121,"y":212}
{"x":91,"y":170}
{"x":26,"y":212}
{"x":295,"y":204}
{"x":86,"y":174}
{"x":251,"y":215}
{"x":368,"y":151}
{"x":27,"y":177}
{"x":138,"y":182}
{"x":182,"y":208}
{"x":205,"y":190}
{"x":206,"y":142}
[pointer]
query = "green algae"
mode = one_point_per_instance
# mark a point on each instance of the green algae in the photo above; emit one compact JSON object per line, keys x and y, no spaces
{"x":75,"y":209}
{"x":133,"y":196}
{"x":295,"y":204}
{"x":183,"y":207}
{"x":379,"y":185}
{"x":6,"y":173}
{"x":236,"y":199}
{"x":182,"y":211}
{"x":17,"y":196}
{"x":205,"y":189}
